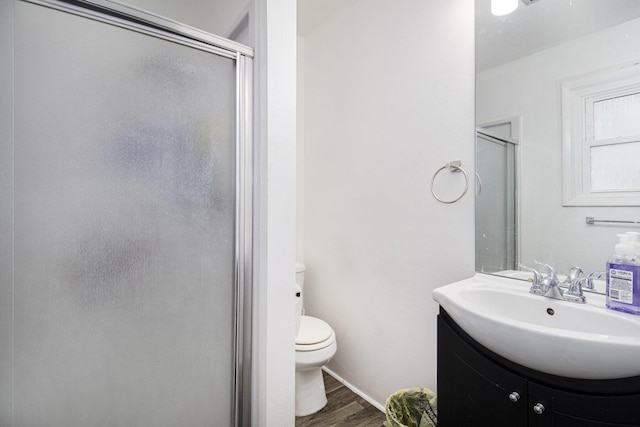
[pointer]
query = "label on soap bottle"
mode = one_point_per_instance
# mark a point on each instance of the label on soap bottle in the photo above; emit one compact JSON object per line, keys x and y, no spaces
{"x":621,"y":285}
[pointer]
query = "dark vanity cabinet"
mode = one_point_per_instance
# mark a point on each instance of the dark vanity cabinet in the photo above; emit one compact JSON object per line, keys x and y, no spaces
{"x":476,"y":387}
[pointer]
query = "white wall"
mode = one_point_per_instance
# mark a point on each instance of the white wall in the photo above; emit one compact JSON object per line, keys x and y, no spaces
{"x":529,"y":87}
{"x":388,"y":100}
{"x":274,"y":356}
{"x":300,"y":152}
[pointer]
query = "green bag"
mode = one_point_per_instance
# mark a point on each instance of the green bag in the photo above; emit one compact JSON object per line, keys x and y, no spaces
{"x":413,"y":407}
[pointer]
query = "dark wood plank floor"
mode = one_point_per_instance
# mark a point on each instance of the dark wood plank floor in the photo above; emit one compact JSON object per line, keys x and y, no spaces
{"x":344,"y":409}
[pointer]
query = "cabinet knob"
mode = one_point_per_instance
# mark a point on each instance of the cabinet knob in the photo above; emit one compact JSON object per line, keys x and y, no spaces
{"x":514,"y":397}
{"x":538,"y":408}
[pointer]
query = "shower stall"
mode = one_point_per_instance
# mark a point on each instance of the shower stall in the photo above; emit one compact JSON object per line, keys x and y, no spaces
{"x":496,"y":207}
{"x":125,"y":226}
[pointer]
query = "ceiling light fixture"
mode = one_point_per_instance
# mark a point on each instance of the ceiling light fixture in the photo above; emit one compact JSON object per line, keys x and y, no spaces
{"x":503,"y":7}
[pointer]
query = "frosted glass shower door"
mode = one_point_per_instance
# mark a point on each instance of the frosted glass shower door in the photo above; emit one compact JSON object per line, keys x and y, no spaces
{"x":495,"y":205}
{"x":124,"y":293}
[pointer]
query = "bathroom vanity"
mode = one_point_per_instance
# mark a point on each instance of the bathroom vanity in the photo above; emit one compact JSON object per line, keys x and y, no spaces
{"x":477,"y":387}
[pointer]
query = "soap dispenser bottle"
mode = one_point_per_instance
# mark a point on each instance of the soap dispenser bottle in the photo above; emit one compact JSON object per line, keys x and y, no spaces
{"x":623,"y":277}
{"x":634,"y":240}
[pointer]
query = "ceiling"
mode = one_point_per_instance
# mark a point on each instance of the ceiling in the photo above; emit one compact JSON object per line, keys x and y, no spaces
{"x":531,"y":28}
{"x":541,"y":25}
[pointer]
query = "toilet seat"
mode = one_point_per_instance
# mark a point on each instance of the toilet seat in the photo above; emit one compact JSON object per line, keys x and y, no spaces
{"x":314,"y":334}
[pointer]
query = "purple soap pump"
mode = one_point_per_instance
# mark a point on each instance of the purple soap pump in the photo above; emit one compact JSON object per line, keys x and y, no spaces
{"x":623,"y":275}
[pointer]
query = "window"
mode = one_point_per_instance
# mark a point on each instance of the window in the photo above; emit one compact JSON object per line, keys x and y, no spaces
{"x":601,"y":138}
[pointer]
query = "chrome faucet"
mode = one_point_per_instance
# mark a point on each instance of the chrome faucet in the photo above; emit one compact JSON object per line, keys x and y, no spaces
{"x":549,"y":286}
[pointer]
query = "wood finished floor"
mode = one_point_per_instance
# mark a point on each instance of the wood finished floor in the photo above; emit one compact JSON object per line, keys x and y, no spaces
{"x":344,"y":409}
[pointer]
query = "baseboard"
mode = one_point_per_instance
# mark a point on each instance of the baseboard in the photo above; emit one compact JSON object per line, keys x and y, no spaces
{"x":354,"y":389}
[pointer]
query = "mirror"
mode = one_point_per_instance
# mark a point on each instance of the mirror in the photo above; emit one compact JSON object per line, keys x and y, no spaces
{"x":527,"y":64}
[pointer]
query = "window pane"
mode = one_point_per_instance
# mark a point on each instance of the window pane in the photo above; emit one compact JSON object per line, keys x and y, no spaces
{"x":616,"y":117}
{"x":615,"y":167}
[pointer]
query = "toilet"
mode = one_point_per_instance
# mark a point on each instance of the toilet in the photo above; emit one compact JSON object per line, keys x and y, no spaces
{"x":315,"y":346}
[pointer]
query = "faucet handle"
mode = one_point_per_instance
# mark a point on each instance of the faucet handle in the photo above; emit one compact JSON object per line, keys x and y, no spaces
{"x":588,"y":283}
{"x":537,"y":276}
{"x":574,"y":274}
{"x":551,"y":273}
{"x":551,"y":280}
{"x":536,"y":286}
{"x":574,"y":294}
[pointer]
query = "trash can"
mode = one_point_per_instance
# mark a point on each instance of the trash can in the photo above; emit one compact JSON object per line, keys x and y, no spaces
{"x":413,"y":407}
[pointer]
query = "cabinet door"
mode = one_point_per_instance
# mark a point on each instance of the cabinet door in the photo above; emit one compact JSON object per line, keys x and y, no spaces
{"x":473,"y":391}
{"x":540,"y":406}
{"x":564,"y":409}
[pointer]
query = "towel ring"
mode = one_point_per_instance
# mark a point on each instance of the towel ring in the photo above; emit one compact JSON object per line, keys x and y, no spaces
{"x":454,"y":166}
{"x":479,"y":186}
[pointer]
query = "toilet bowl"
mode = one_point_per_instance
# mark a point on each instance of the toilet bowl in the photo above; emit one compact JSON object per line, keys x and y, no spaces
{"x":315,"y":346}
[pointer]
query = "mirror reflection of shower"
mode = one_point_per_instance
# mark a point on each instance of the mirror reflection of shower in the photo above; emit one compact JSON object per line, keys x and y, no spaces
{"x":496,"y":207}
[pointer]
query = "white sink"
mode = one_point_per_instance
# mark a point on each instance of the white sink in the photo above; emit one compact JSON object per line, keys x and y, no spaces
{"x":585,"y":341}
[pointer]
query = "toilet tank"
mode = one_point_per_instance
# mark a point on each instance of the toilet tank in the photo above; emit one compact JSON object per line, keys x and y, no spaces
{"x":300,"y":274}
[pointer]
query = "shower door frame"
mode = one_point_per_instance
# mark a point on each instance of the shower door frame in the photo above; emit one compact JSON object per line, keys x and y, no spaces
{"x":492,"y":137}
{"x":127,"y":17}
